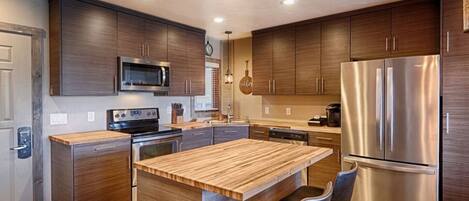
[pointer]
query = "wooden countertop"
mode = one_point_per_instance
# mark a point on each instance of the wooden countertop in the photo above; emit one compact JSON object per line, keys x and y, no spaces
{"x":295,"y":125}
{"x":88,"y":137}
{"x":238,"y":169}
{"x":190,"y":125}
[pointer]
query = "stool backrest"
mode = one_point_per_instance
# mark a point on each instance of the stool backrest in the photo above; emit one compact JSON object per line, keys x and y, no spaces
{"x":344,"y":183}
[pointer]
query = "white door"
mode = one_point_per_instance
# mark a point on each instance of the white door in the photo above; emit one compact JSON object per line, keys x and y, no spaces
{"x":15,"y":113}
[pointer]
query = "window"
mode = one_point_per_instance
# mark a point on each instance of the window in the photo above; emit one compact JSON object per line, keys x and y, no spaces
{"x":211,"y":100}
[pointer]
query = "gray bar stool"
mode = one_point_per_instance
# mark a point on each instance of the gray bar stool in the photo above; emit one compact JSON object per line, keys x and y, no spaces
{"x":342,"y":190}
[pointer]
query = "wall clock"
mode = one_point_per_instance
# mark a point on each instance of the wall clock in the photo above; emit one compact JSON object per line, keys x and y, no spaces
{"x":208,"y":49}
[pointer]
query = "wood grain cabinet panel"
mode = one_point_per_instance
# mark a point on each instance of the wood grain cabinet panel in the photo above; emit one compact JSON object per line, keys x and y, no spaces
{"x":325,"y":170}
{"x":416,"y":29}
{"x":335,"y":49}
{"x":262,"y":59}
{"x":177,"y":56}
{"x":131,"y":35}
{"x":196,"y":63}
{"x":97,"y":171}
{"x":84,"y":38}
{"x":308,"y":59}
{"x":455,"y":179}
{"x":156,"y":40}
{"x":229,"y":133}
{"x":371,"y":35}
{"x":283,"y":69}
{"x":454,"y":40}
{"x":196,"y":138}
{"x":259,"y":133}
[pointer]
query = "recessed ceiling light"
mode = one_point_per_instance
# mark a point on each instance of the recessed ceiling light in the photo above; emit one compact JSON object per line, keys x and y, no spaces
{"x":218,"y":19}
{"x":288,"y":2}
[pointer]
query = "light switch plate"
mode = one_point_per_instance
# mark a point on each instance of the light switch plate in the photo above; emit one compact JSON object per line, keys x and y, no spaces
{"x":58,"y":119}
{"x":91,"y":116}
{"x":288,"y":111}
{"x":266,"y":110}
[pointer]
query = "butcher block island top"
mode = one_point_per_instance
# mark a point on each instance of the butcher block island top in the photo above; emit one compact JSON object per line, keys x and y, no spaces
{"x":237,"y":170}
{"x":88,"y":137}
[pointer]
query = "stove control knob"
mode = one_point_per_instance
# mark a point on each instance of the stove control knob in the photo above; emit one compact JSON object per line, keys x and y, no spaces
{"x":148,"y":113}
{"x":123,"y":115}
{"x":154,"y":113}
{"x":117,"y":116}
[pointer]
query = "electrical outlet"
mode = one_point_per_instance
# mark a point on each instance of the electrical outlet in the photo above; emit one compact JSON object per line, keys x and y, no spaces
{"x":267,"y":110}
{"x":288,"y":111}
{"x":91,"y":116}
{"x":58,"y":119}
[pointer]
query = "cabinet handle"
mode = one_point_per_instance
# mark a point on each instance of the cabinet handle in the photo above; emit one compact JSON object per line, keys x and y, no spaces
{"x":323,"y":84}
{"x":324,"y":138}
{"x":317,"y":85}
{"x":394,"y":48}
{"x":185,"y":86}
{"x":274,"y":86}
{"x":200,"y":133}
{"x":447,"y":123}
{"x":230,"y":131}
{"x":260,"y":132}
{"x":104,"y":148}
{"x":148,"y":50}
{"x":447,"y":41}
{"x":142,"y":50}
{"x":270,"y":88}
{"x":387,"y":44}
{"x":190,"y":86}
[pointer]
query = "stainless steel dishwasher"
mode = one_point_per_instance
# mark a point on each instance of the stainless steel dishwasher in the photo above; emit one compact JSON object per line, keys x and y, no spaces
{"x":289,"y":136}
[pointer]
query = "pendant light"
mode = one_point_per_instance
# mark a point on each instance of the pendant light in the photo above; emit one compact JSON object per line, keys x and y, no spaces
{"x":228,"y":74}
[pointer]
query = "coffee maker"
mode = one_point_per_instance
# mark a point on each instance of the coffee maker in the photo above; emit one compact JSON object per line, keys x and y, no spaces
{"x":333,"y":115}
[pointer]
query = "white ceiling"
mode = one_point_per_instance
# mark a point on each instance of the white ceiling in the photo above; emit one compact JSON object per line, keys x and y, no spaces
{"x":242,"y":16}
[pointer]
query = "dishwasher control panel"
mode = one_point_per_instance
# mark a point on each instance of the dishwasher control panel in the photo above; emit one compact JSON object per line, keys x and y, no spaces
{"x":288,"y":134}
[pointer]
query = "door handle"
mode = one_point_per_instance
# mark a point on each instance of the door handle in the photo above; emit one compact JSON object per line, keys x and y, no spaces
{"x":270,"y":86}
{"x":394,"y":48}
{"x":18,"y":148}
{"x":190,"y":86}
{"x":148,"y":50}
{"x":390,"y":109}
{"x":387,"y":44}
{"x":142,"y":50}
{"x":274,"y":86}
{"x":391,"y":166}
{"x":379,"y":106}
{"x":317,"y":85}
{"x":323,"y":84}
{"x":447,"y":123}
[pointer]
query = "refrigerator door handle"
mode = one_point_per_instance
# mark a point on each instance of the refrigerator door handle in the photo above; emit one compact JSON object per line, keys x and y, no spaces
{"x":379,"y":106}
{"x":390,"y":104}
{"x":392,"y":166}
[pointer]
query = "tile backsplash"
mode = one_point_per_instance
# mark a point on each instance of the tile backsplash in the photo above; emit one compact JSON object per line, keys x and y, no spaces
{"x":296,"y":107}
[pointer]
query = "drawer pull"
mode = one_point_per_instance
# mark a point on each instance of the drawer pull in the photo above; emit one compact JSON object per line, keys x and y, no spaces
{"x":230,"y":131}
{"x":104,"y":148}
{"x":324,"y":138}
{"x":201,"y":133}
{"x":260,"y":132}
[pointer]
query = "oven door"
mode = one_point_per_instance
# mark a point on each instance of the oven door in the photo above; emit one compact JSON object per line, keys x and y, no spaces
{"x":143,"y":75}
{"x":153,"y":146}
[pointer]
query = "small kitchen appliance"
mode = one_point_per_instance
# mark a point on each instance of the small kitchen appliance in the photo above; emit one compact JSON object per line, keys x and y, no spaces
{"x":333,"y":115}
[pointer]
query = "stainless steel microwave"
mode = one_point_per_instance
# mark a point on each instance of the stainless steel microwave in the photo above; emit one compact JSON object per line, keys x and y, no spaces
{"x":143,"y":75}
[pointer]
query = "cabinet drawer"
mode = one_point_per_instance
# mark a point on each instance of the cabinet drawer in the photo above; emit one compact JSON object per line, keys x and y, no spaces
{"x":259,"y":133}
{"x":102,"y":170}
{"x":196,"y":138}
{"x":324,"y":138}
{"x":225,"y":134}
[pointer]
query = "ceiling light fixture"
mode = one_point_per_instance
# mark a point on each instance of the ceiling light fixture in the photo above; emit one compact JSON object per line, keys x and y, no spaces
{"x":218,"y":19}
{"x":288,"y":2}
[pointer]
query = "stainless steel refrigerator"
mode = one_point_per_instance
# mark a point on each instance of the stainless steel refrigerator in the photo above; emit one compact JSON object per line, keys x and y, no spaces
{"x":390,"y":126}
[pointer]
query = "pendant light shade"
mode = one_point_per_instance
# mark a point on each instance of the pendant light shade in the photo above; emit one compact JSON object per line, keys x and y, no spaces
{"x":228,"y":75}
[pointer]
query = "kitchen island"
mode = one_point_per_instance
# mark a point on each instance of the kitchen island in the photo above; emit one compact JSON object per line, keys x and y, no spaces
{"x":237,"y":170}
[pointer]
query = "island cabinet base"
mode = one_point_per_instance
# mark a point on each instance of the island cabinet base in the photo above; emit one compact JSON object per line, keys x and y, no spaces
{"x":155,"y":188}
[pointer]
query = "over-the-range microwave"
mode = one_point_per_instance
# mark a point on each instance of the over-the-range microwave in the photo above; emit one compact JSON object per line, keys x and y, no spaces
{"x":143,"y":75}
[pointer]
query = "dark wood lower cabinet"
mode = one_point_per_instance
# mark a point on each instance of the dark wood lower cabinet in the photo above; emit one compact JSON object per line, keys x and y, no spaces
{"x":196,"y":138}
{"x":91,"y":172}
{"x":259,"y":133}
{"x":325,"y":170}
{"x":229,"y":133}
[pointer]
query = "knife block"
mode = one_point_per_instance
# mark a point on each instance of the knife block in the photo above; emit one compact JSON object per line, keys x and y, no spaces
{"x":177,"y":116}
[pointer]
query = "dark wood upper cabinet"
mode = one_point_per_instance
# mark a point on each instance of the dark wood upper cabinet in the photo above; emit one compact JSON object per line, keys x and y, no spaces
{"x":454,"y":40}
{"x":262,"y":63}
{"x":177,"y":56}
{"x":335,"y":49}
{"x":83,"y":52}
{"x":455,"y":166}
{"x":196,"y":63}
{"x":156,"y":36}
{"x":416,"y":29}
{"x":371,"y":35}
{"x":283,"y":69}
{"x":308,"y":59}
{"x":131,"y":36}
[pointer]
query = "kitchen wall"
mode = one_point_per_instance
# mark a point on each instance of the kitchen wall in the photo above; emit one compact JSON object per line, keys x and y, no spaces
{"x":34,"y":13}
{"x":253,"y":107}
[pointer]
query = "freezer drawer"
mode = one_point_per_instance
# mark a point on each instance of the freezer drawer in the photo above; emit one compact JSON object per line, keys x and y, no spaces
{"x":390,"y":181}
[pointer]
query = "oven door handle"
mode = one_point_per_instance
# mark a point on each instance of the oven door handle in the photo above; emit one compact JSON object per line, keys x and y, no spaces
{"x":158,"y":139}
